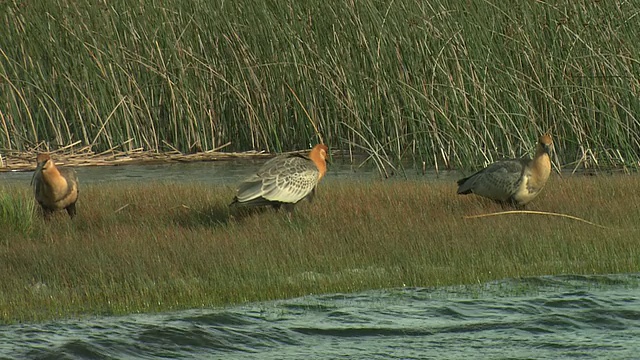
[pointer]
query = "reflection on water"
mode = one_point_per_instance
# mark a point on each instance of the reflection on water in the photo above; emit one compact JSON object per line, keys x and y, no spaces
{"x":587,"y":317}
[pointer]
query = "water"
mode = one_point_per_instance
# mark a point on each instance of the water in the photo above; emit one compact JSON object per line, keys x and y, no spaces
{"x":215,"y":172}
{"x":587,"y":317}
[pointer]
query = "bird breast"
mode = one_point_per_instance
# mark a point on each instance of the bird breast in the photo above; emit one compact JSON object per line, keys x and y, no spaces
{"x":55,"y":191}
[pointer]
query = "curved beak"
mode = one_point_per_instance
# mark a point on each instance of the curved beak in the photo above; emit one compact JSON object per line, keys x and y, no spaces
{"x":37,"y":170}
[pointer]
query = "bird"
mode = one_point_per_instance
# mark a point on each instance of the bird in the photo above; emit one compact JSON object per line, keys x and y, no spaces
{"x":284,"y":180}
{"x":54,"y":188}
{"x":513,"y":182}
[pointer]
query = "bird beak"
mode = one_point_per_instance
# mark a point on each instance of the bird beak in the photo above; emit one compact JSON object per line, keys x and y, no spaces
{"x":37,"y":170}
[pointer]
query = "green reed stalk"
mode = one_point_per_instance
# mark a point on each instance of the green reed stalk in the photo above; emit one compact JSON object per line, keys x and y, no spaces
{"x":445,"y":82}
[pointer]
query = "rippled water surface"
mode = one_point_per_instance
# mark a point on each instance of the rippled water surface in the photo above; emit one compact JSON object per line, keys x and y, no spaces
{"x":587,"y":317}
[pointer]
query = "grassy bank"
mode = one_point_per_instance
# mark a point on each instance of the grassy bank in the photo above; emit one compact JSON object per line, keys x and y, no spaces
{"x":139,"y":248}
{"x":446,"y":82}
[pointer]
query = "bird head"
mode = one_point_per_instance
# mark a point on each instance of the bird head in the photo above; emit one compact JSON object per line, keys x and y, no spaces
{"x":319,"y":157}
{"x":545,"y":143}
{"x":321,"y":150}
{"x":43,"y":163}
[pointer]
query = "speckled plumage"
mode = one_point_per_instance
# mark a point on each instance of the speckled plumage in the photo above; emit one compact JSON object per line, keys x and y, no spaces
{"x":513,"y":181}
{"x":54,"y":188}
{"x":284,"y":180}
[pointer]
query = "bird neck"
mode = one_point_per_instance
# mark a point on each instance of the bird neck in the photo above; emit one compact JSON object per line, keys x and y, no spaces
{"x":541,"y":164}
{"x":53,"y":178}
{"x":319,"y":161}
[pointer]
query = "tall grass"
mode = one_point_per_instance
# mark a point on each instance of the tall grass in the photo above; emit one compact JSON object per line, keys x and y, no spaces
{"x":444,"y":82}
{"x":161,"y":246}
{"x":17,"y":212}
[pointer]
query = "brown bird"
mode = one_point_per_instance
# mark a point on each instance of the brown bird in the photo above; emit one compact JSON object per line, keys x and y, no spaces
{"x":514,"y":181}
{"x":284,"y":180}
{"x":54,"y":188}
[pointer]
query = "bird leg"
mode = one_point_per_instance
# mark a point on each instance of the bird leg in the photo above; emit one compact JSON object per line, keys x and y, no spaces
{"x":46,"y":214}
{"x":71,"y":210}
{"x":289,"y":209}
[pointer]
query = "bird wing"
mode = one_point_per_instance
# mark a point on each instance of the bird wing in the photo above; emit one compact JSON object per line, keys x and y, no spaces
{"x":286,"y":179}
{"x":69,"y":174}
{"x":498,"y":181}
{"x":72,"y":178}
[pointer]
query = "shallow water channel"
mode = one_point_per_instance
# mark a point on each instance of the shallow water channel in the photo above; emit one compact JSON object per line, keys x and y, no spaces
{"x":587,"y":317}
{"x":218,"y":172}
{"x":590,"y":317}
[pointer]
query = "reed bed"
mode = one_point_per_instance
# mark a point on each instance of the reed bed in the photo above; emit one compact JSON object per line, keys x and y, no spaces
{"x":449,"y":83}
{"x":144,"y":247}
{"x":13,"y":160}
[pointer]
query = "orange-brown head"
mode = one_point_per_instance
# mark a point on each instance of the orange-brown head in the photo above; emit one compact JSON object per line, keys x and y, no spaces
{"x":545,"y":144}
{"x":319,"y":157}
{"x":43,"y":161}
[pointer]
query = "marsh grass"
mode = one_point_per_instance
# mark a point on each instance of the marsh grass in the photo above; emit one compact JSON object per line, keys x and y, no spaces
{"x":161,"y":246}
{"x":445,"y":82}
{"x":16,"y":211}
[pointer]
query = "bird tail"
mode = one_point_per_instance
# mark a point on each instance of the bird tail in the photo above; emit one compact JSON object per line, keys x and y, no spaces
{"x":464,"y":186}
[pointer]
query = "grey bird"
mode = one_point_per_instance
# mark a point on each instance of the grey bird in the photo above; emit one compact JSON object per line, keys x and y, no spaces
{"x":514,"y":181}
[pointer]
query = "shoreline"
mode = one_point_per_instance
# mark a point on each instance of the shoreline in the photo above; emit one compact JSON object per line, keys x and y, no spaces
{"x":23,"y":161}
